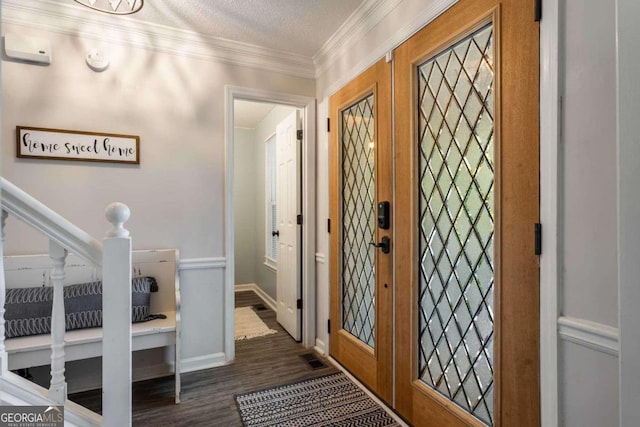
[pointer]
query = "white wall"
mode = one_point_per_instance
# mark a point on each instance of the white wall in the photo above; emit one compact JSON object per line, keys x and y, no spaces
{"x":589,"y":128}
{"x":176,"y":105}
{"x":588,"y":378}
{"x":589,"y":393}
{"x":246,"y":206}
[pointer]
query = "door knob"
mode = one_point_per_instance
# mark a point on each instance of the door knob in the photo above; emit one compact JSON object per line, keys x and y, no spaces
{"x":385,"y":245}
{"x":276,"y":233}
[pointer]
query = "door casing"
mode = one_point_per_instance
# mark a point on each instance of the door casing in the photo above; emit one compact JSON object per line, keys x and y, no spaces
{"x":308,"y":104}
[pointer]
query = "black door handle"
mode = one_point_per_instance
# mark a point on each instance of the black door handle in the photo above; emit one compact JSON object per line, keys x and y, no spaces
{"x":276,"y":233}
{"x":385,"y":245}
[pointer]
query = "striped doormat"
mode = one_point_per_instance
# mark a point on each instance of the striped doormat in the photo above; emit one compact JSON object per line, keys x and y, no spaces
{"x":330,"y":400}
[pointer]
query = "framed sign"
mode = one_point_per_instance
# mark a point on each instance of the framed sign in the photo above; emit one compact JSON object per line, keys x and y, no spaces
{"x":56,"y":144}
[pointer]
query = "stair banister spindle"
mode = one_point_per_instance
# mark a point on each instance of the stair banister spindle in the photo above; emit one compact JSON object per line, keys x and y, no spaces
{"x":58,"y":387}
{"x":4,"y":362}
{"x":116,"y":320}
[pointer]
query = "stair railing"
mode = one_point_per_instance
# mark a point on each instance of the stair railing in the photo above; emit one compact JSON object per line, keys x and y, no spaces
{"x":113,"y":256}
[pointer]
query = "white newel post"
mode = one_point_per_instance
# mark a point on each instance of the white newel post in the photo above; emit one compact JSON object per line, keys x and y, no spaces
{"x":116,"y":320}
{"x":4,"y":362}
{"x":58,"y":387}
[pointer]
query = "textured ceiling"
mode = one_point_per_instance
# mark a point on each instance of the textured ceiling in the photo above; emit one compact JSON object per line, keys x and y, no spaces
{"x":296,"y":26}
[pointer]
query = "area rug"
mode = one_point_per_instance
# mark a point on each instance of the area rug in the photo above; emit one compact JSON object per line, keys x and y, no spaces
{"x":330,"y":400}
{"x":249,"y":325}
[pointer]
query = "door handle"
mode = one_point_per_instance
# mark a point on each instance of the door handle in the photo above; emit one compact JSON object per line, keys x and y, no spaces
{"x":276,"y":233}
{"x":385,"y":245}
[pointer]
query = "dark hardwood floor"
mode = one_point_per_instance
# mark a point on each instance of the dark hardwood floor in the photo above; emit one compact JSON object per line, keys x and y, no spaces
{"x":208,"y":396}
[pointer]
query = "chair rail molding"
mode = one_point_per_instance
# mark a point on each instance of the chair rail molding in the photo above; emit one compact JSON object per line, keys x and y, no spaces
{"x":596,"y":336}
{"x":202,"y":263}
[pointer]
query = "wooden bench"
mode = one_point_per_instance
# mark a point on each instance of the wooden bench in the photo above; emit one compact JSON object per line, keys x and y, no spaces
{"x":35,"y":350}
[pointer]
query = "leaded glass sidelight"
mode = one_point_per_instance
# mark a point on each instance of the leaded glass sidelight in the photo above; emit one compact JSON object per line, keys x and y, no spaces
{"x":456,"y":229}
{"x":358,"y":227}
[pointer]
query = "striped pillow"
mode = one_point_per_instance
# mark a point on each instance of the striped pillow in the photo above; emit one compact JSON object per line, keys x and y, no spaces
{"x":28,"y":310}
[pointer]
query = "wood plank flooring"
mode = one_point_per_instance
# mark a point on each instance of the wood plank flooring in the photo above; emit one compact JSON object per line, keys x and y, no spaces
{"x":208,"y":396}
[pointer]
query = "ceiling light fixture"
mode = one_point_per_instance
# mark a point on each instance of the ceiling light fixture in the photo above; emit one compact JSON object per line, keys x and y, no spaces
{"x":114,"y":7}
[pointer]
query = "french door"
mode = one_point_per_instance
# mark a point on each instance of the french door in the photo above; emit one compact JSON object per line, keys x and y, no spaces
{"x":467,"y":199}
{"x":457,"y":273}
{"x":361,"y":240}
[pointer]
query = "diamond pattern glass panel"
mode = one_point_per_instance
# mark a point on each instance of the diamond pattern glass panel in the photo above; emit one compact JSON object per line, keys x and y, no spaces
{"x":358,"y":196}
{"x":456,"y":203}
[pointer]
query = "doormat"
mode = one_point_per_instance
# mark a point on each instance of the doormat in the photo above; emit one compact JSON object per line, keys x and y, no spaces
{"x":249,"y":325}
{"x":330,"y":400}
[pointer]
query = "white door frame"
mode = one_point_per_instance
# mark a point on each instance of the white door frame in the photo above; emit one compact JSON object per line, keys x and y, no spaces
{"x":550,"y":182}
{"x":308,"y":105}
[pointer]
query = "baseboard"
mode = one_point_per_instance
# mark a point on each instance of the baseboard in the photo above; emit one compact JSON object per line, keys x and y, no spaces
{"x":199,"y":363}
{"x":320,"y":347}
{"x":245,"y":287}
{"x":273,"y":305}
{"x":369,"y":393}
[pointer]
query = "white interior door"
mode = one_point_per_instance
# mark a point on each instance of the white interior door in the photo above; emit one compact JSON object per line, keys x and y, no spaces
{"x":288,"y":178}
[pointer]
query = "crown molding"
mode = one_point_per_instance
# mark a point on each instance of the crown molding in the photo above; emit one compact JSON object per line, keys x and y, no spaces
{"x":361,"y":21}
{"x":428,"y":14}
{"x":67,"y":19}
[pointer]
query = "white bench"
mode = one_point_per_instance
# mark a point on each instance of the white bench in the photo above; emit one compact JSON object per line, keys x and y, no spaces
{"x":34,"y":270}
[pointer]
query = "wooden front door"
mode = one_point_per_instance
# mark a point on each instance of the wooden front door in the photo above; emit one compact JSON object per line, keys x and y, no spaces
{"x":361,"y":242}
{"x":467,"y":199}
